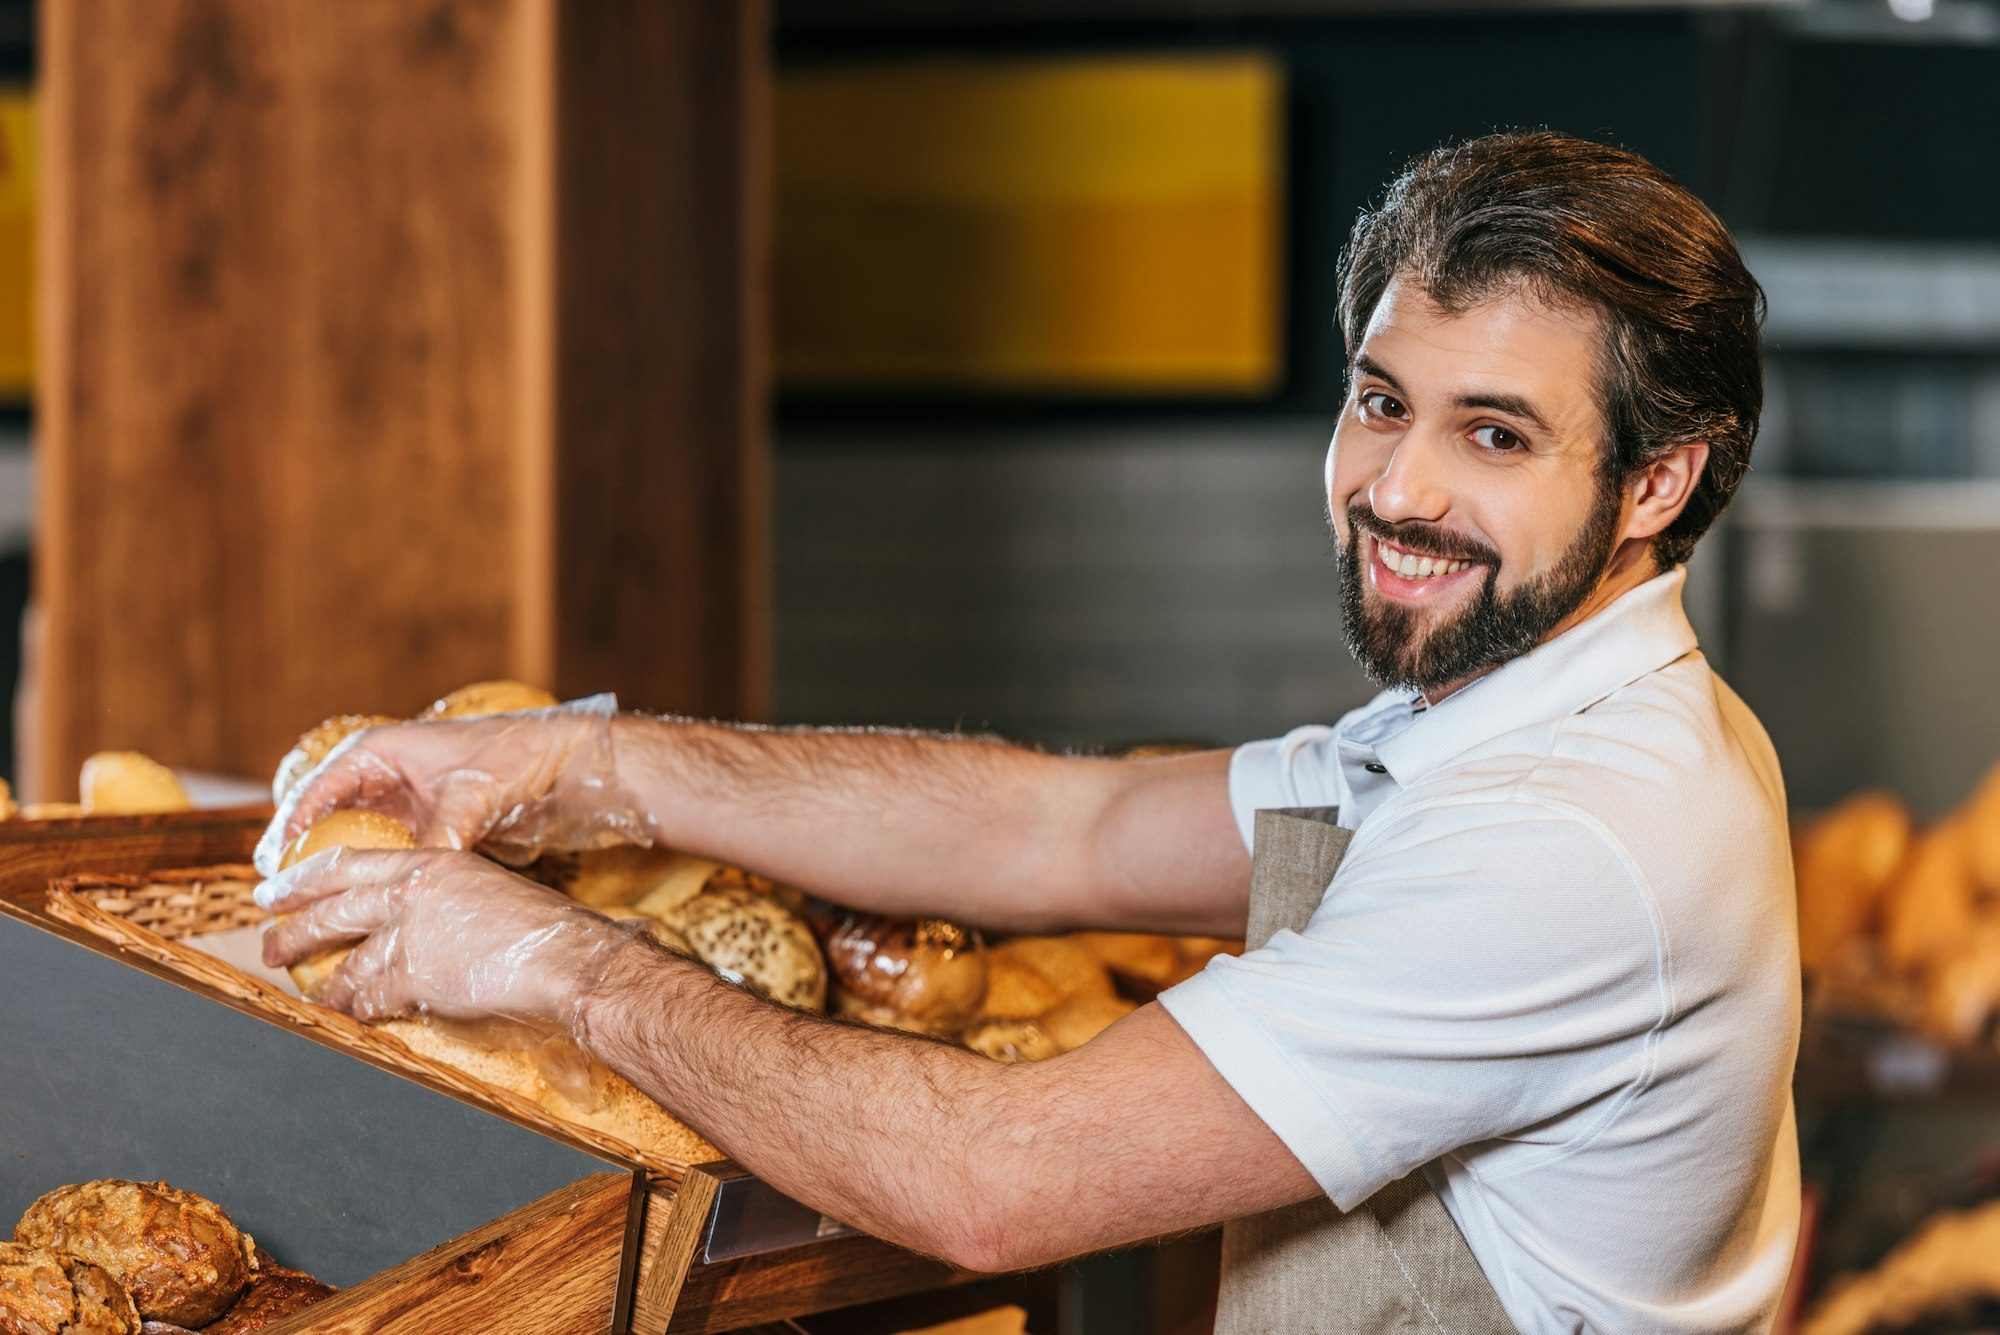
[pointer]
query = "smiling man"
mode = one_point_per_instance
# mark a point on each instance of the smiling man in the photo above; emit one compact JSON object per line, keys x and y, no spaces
{"x":1513,"y":1043}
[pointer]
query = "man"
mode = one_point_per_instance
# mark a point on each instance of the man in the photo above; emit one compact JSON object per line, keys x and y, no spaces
{"x":1556,"y":974}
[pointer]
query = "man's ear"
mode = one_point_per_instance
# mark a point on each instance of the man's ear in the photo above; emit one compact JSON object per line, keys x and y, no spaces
{"x":1657,"y":493}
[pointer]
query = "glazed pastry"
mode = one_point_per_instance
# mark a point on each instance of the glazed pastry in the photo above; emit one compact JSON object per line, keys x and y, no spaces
{"x":489,"y":697}
{"x":178,"y":1255}
{"x":276,"y":1293}
{"x":127,"y":783}
{"x":346,"y":828}
{"x":753,"y":940}
{"x":924,"y":974}
{"x":315,"y":746}
{"x":42,"y":1293}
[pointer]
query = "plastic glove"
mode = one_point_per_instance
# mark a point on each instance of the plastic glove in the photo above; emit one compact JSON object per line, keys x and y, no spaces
{"x":441,"y":933}
{"x":512,"y":784}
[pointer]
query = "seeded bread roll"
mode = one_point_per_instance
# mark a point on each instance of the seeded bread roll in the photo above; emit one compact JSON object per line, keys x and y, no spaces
{"x":489,"y":697}
{"x":347,"y":828}
{"x":42,"y":1293}
{"x":127,"y":783}
{"x":752,"y":939}
{"x":314,"y":746}
{"x":923,"y":974}
{"x":177,"y":1255}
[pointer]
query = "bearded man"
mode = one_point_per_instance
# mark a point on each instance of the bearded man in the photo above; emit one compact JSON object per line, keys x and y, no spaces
{"x":1513,"y":1042}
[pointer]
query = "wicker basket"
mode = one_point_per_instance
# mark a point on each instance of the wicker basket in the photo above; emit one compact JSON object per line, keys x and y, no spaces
{"x":151,"y":915}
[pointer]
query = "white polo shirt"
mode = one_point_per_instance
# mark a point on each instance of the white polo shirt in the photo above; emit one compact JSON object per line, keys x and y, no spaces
{"x":1558,"y":971}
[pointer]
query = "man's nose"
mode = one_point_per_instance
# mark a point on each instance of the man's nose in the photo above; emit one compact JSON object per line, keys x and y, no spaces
{"x":1412,"y":485}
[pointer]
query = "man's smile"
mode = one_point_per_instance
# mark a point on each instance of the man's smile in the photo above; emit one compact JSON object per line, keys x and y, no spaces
{"x":1406,"y":576}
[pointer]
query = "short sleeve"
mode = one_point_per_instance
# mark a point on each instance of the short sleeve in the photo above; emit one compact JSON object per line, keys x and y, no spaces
{"x":1475,"y":970}
{"x":1296,"y":770}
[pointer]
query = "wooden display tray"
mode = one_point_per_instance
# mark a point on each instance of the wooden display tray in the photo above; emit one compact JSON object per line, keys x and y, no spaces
{"x":715,"y":1250}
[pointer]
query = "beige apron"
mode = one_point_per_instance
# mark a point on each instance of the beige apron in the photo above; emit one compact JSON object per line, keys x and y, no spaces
{"x":1396,"y":1265}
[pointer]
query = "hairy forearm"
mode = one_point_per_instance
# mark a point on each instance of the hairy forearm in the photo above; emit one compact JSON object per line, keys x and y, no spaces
{"x":912,"y":824}
{"x":893,"y":822}
{"x":888,"y":1133}
{"x":987,"y":1166}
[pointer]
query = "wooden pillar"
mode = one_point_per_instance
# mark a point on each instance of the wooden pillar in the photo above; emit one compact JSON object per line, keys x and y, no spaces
{"x":392,"y":344}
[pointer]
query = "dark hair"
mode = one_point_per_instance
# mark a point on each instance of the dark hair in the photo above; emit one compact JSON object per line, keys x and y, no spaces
{"x":1578,"y":222}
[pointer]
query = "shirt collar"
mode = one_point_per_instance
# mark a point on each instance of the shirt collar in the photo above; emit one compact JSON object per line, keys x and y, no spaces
{"x":1643,"y":631}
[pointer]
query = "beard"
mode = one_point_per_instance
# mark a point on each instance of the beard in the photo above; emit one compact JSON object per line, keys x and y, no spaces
{"x":1389,"y":641}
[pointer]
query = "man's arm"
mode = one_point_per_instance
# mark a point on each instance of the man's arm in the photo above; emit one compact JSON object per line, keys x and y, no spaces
{"x":976,"y":829}
{"x":986,"y":1166}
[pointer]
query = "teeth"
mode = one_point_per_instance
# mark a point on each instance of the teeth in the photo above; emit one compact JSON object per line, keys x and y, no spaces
{"x":1411,"y":566}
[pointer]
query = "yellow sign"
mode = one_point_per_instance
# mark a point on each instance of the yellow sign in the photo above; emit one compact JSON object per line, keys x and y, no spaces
{"x":1069,"y":225}
{"x":17,"y":244}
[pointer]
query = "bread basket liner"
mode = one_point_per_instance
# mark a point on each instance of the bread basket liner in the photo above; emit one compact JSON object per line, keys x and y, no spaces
{"x":120,"y":909}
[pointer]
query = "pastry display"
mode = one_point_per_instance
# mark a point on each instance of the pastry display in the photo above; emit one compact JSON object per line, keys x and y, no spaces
{"x":924,"y":975}
{"x":120,"y":1258}
{"x":178,"y":1255}
{"x":1901,"y":923}
{"x":45,"y":1293}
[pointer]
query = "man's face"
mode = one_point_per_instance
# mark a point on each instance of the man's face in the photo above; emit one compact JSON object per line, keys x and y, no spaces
{"x":1470,"y":513}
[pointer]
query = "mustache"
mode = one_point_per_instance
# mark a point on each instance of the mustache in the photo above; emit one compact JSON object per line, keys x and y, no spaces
{"x":1421,"y":537}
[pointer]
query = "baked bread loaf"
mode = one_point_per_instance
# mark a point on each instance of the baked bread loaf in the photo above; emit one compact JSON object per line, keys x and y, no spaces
{"x":43,"y":1293}
{"x":752,"y":939}
{"x":349,"y":827}
{"x":1068,"y":965}
{"x":127,"y":783}
{"x":921,"y":974}
{"x":1014,"y":991}
{"x":314,"y":746}
{"x":276,"y":1293}
{"x":177,"y":1255}
{"x":489,"y":697}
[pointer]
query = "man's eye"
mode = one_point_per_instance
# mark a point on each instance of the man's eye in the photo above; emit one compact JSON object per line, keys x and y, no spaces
{"x":1498,"y":438}
{"x":1375,"y":403}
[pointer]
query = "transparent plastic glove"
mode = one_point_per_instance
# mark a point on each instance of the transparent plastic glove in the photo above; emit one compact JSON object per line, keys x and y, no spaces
{"x":441,"y":933}
{"x":514,"y":785}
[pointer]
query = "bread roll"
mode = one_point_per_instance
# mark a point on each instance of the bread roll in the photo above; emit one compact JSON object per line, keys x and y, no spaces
{"x":276,"y":1293}
{"x":1010,"y":1041}
{"x":489,"y":697}
{"x":314,"y":746}
{"x":753,"y":940}
{"x":924,"y":974}
{"x":625,"y":876}
{"x":1844,"y":863}
{"x":42,"y":1293}
{"x":1150,"y":961}
{"x":1982,"y":833}
{"x":1014,"y":991}
{"x":127,"y":783}
{"x":179,"y":1256}
{"x":1929,"y":915}
{"x":1082,"y":1018}
{"x":349,"y":827}
{"x":7,"y":807}
{"x":1071,"y":967}
{"x":52,"y":811}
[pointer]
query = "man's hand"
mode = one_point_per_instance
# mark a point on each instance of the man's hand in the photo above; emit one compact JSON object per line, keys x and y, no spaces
{"x":442,"y":933}
{"x":514,"y":784}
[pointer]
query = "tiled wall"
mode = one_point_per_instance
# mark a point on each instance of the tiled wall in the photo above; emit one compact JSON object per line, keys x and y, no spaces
{"x":1083,"y":585}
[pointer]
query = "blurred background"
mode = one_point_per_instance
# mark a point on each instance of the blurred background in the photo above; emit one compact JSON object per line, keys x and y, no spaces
{"x":955,"y":365}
